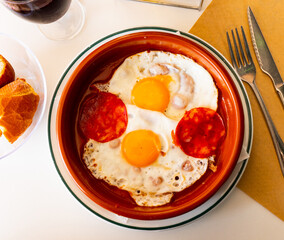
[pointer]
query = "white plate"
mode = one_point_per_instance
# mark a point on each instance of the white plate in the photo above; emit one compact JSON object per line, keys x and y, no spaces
{"x":27,"y":66}
{"x":190,"y":216}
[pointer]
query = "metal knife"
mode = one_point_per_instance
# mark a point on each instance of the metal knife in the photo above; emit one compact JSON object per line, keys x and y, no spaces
{"x":264,"y":56}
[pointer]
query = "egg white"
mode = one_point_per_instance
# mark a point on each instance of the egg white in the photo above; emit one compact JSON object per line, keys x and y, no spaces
{"x":191,"y":81}
{"x":152,"y":185}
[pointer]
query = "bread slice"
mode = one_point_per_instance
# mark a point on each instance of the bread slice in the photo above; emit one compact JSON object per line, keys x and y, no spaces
{"x":7,"y":73}
{"x":18,"y":104}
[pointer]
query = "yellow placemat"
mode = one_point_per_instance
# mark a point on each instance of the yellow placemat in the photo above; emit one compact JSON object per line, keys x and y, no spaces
{"x":262,"y":179}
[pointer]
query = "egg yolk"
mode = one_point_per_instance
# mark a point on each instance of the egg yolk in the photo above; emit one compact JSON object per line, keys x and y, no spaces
{"x":152,"y":93}
{"x":140,"y":148}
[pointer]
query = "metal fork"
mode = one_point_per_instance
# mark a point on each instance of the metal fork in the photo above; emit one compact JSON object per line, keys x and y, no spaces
{"x":246,"y":71}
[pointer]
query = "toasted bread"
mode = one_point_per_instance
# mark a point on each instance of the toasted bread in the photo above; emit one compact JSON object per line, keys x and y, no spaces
{"x":18,"y":104}
{"x":7,"y":73}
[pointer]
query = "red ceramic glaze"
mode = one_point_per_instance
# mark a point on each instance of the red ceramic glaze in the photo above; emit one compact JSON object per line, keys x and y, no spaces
{"x":99,"y":65}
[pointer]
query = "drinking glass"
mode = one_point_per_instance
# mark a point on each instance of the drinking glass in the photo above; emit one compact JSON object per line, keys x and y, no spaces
{"x":56,"y":19}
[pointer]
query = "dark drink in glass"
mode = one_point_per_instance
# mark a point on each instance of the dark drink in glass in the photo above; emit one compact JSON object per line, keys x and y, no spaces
{"x":40,"y":11}
{"x":57,"y":19}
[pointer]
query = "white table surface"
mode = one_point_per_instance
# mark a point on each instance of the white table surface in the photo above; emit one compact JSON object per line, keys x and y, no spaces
{"x":34,"y":202}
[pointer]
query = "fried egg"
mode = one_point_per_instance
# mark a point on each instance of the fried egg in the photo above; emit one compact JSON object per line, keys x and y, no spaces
{"x":143,"y":160}
{"x":164,"y":82}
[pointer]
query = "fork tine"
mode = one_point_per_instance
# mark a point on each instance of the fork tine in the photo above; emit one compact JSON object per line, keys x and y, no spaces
{"x":246,"y":46}
{"x":241,"y":48}
{"x":231,"y":52}
{"x":239,"y":62}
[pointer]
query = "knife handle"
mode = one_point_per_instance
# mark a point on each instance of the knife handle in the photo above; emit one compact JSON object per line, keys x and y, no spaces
{"x":277,"y":141}
{"x":280,"y":91}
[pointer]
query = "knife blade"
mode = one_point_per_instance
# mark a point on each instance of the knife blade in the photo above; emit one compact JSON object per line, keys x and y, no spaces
{"x":264,"y":56}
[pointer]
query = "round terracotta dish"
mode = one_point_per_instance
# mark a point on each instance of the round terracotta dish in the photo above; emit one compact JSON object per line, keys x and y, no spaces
{"x":97,"y":63}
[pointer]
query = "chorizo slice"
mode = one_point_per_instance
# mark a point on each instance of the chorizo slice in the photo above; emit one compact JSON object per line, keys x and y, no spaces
{"x":103,"y":117}
{"x":200,"y":132}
